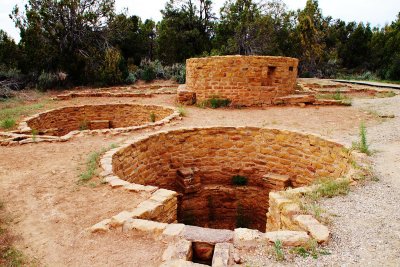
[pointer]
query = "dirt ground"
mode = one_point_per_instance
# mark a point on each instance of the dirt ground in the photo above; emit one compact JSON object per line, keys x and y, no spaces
{"x":50,"y":211}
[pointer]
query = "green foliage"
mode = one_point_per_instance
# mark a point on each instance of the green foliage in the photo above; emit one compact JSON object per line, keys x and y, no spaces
{"x":328,"y":188}
{"x":239,"y":180}
{"x":279,"y":253}
{"x":182,"y":111}
{"x":152,"y":117}
{"x":176,"y":72}
{"x":131,"y":79}
{"x":110,"y":71}
{"x":310,"y":249}
{"x":7,"y":123}
{"x":83,"y":125}
{"x":47,"y":81}
{"x":362,"y":145}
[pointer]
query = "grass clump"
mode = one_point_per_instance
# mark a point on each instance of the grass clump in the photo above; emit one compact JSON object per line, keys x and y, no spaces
{"x":239,"y":180}
{"x":328,"y":188}
{"x":7,"y":123}
{"x":215,"y":102}
{"x":279,"y":253}
{"x":362,"y":145}
{"x":386,"y":94}
{"x":152,"y":117}
{"x":309,"y":249}
{"x":182,"y":111}
{"x":92,"y":163}
{"x":338,"y":96}
{"x":83,"y":125}
{"x":91,"y":166}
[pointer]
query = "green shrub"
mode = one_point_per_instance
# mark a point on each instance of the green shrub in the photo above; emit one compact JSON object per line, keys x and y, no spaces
{"x":47,"y":81}
{"x":111,"y":70}
{"x":216,"y":102}
{"x":7,"y":123}
{"x":239,"y":180}
{"x":176,"y":72}
{"x":131,"y":79}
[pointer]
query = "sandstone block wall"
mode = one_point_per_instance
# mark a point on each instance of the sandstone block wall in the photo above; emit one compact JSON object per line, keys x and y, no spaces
{"x":219,"y":153}
{"x":61,"y":121}
{"x":245,"y":80}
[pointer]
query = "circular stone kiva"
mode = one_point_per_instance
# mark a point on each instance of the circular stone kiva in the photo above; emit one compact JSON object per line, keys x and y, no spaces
{"x":61,"y":121}
{"x":224,"y":175}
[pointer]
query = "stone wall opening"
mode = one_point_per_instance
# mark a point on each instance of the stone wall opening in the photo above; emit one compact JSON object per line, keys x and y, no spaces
{"x":60,"y":122}
{"x":224,"y":174}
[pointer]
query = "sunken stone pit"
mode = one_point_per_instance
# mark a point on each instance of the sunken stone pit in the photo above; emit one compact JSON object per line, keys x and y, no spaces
{"x":223,"y":175}
{"x":61,"y":121}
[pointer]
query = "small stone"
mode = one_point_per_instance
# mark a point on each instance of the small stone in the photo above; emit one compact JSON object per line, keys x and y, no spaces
{"x":144,"y":226}
{"x":317,"y":230}
{"x":102,"y":226}
{"x":288,"y":238}
{"x":120,"y":218}
{"x":118,"y":183}
{"x":173,"y":230}
{"x":181,"y":250}
{"x":244,"y":237}
{"x":221,"y":255}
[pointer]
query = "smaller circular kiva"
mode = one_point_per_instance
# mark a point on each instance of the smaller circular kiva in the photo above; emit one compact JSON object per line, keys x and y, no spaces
{"x":61,"y":121}
{"x":224,"y":174}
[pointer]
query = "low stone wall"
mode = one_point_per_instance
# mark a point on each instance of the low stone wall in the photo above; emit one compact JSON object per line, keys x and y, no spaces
{"x":209,"y":157}
{"x":60,"y":122}
{"x":245,"y":80}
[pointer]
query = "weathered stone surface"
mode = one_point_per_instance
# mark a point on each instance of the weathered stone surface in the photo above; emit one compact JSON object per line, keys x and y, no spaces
{"x":118,"y":183}
{"x":173,"y":230}
{"x":244,"y":237}
{"x":181,"y":250}
{"x":222,"y":252}
{"x":144,"y":226}
{"x":206,"y":235}
{"x":120,"y":218}
{"x":288,"y":238}
{"x":246,"y":80}
{"x":317,"y":230}
{"x":102,"y":226}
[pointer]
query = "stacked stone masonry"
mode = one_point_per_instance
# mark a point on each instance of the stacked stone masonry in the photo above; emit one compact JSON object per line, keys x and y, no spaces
{"x":199,"y":165}
{"x":60,"y":122}
{"x":245,"y":80}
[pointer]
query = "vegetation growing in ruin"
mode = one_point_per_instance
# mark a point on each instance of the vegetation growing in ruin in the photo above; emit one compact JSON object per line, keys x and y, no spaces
{"x":92,"y":163}
{"x":7,"y":123}
{"x":362,"y":145}
{"x":152,"y":117}
{"x":279,"y":253}
{"x":239,"y":180}
{"x":310,"y":249}
{"x":83,"y":125}
{"x":182,"y":111}
{"x":328,"y":188}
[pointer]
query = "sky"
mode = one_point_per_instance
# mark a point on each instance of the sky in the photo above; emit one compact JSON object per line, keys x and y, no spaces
{"x":378,"y":13}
